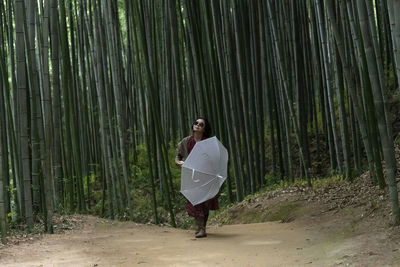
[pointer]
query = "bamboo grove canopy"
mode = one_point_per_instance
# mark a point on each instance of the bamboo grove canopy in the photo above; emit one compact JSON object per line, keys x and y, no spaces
{"x":87,"y":86}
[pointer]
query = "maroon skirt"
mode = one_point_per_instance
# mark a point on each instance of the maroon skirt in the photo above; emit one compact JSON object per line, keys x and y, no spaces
{"x":202,"y":209}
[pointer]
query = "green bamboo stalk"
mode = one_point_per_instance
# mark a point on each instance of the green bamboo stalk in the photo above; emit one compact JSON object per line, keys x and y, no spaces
{"x":393,"y":8}
{"x":386,"y":137}
{"x":23,"y":112}
{"x":48,"y":178}
{"x":368,"y":131}
{"x":3,"y":161}
{"x":285,"y":86}
{"x":240,"y":58}
{"x":321,"y":22}
{"x":232,"y":85}
{"x":56,"y":105}
{"x":118,"y":100}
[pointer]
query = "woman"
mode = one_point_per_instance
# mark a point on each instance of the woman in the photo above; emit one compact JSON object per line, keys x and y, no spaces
{"x":201,"y":130}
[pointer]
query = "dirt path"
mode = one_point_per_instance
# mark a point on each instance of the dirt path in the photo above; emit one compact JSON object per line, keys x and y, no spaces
{"x":105,"y":243}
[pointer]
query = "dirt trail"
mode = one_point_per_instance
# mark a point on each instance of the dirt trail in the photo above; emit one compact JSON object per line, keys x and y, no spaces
{"x":106,"y":243}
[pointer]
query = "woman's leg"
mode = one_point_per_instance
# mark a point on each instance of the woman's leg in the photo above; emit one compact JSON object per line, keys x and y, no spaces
{"x":202,"y":230}
{"x":205,"y":223}
{"x":198,"y":212}
{"x":197,"y":227}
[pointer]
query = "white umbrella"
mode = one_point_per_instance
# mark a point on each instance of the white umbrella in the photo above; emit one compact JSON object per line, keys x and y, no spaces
{"x":204,"y":170}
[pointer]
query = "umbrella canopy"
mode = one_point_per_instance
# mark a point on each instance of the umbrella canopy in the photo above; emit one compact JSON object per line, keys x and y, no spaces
{"x":204,"y":170}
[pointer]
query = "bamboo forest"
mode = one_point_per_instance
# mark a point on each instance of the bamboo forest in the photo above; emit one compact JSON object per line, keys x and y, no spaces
{"x":96,"y":94}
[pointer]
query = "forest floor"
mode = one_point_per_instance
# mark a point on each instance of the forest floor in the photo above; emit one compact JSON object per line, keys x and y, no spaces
{"x":335,"y":224}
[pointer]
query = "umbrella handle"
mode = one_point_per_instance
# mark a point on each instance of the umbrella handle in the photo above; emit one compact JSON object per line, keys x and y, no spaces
{"x":197,"y":180}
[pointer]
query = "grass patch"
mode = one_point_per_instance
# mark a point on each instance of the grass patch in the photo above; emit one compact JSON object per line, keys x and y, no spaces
{"x":285,"y":212}
{"x":252,"y":216}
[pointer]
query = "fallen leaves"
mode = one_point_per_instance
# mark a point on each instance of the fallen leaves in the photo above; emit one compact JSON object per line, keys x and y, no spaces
{"x":61,"y":224}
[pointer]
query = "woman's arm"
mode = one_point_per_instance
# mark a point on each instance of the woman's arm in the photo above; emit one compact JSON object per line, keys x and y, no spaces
{"x":181,"y":152}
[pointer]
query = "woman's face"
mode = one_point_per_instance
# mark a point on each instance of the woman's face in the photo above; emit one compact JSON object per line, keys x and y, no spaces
{"x":199,"y":126}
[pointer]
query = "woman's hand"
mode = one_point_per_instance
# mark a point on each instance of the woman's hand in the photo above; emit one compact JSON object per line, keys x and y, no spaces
{"x":179,"y":163}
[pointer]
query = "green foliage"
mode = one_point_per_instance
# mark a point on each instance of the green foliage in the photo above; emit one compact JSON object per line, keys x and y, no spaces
{"x":273,"y":184}
{"x":327,"y":182}
{"x":390,"y":75}
{"x":97,"y":195}
{"x":142,"y":205}
{"x":141,"y":191}
{"x":140,"y":170}
{"x":122,"y":20}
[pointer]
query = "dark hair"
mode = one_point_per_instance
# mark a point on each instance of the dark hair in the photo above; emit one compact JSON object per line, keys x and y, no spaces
{"x":207,"y":127}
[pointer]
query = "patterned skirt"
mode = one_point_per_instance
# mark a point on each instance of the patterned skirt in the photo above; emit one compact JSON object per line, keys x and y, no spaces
{"x":202,"y":209}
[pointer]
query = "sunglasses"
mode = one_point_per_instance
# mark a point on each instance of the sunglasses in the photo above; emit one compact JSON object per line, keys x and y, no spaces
{"x":200,"y":124}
